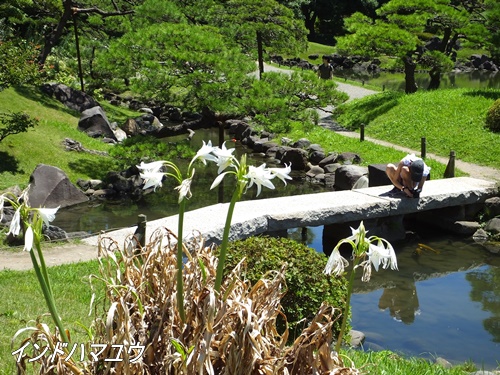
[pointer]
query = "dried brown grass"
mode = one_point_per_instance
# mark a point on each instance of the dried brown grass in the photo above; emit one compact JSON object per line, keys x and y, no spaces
{"x":233,"y":332}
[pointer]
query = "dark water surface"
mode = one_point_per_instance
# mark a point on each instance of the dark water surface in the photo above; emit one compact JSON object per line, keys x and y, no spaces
{"x":395,"y":81}
{"x":97,"y":215}
{"x":439,"y":304}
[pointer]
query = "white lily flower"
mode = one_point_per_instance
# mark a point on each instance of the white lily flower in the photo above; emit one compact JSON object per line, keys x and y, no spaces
{"x":152,"y":179}
{"x":47,"y":214}
{"x":380,"y":255}
{"x":336,"y":264}
{"x":367,"y":271}
{"x":282,"y":173}
{"x":15,"y":224}
{"x":357,"y":234}
{"x":259,"y":176}
{"x":376,"y":255}
{"x":2,"y":202}
{"x":185,"y":189}
{"x":218,"y":180}
{"x":28,"y":239}
{"x":153,"y":167}
{"x":224,"y":157}
{"x":390,"y":258}
{"x":205,"y":153}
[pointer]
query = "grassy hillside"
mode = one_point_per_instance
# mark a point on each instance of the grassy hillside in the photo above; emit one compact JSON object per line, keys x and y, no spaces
{"x":448,"y":119}
{"x":21,"y":153}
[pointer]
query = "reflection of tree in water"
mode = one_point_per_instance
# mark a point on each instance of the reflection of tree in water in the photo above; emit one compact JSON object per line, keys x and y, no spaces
{"x":402,"y":302}
{"x":303,"y":235}
{"x":486,"y":290}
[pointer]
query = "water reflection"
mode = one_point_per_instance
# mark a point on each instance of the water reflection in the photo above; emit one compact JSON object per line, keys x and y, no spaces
{"x":401,"y":300}
{"x":444,"y":302}
{"x":486,"y":290}
{"x":475,"y":79}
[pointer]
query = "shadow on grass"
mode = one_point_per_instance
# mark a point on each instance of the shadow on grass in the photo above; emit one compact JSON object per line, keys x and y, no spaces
{"x":351,"y":115}
{"x":9,"y":163}
{"x":96,"y":169}
{"x":37,"y":95}
{"x":493,"y":94}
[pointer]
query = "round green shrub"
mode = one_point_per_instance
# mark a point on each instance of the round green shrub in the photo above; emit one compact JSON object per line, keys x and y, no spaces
{"x":307,"y":286}
{"x":493,"y":117}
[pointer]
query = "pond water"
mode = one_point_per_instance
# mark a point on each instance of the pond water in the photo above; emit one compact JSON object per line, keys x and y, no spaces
{"x":97,"y":215}
{"x":441,"y":303}
{"x":395,"y":81}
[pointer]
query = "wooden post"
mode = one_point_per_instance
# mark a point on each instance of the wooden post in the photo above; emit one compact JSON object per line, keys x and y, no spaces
{"x":361,"y":132}
{"x":423,"y":147}
{"x":260,"y":54}
{"x":140,"y":233}
{"x":450,"y":167}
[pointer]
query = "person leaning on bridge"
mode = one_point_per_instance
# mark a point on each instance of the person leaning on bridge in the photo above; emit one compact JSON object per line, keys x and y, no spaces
{"x":325,"y":70}
{"x":409,"y":175}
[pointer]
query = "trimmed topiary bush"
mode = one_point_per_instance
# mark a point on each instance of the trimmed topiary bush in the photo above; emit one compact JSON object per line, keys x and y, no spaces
{"x":493,"y":117}
{"x":307,"y":286}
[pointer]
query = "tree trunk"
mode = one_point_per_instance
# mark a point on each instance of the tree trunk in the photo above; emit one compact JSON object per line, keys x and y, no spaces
{"x":52,"y":39}
{"x":435,"y":81}
{"x":410,"y":66}
{"x":309,"y":21}
{"x":445,"y":40}
{"x":260,"y":54}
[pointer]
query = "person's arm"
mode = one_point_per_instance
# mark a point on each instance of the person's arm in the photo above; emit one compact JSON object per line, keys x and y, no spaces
{"x":421,"y":183}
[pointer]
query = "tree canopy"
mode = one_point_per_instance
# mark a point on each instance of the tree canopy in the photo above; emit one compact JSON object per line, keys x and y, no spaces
{"x":423,"y":32}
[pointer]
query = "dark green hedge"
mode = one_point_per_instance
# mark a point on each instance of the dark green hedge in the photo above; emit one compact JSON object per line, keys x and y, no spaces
{"x":307,"y":286}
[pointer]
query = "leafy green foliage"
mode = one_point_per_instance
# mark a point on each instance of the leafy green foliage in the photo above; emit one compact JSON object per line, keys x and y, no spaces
{"x":240,"y":20}
{"x":368,"y":38}
{"x":146,"y":148}
{"x":175,"y":63}
{"x":18,"y":65}
{"x":279,"y":102}
{"x":15,"y":123}
{"x":493,"y":117}
{"x":307,"y":286}
{"x":404,"y":26}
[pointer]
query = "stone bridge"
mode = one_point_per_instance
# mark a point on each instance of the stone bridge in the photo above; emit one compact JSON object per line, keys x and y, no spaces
{"x":279,"y":214}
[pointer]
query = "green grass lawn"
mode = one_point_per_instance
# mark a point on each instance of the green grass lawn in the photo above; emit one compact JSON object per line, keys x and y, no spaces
{"x":23,"y":303}
{"x":21,"y":153}
{"x":449,"y":120}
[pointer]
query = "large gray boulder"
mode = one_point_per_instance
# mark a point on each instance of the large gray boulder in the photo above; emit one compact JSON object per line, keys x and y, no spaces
{"x":347,"y":175}
{"x":95,"y":123}
{"x":296,"y":156}
{"x":50,"y":187}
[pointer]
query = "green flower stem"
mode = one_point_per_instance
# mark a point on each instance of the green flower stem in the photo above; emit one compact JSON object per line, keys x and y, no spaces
{"x":47,"y":293}
{"x":225,"y":236}
{"x":43,"y":266}
{"x":345,"y":315}
{"x":180,"y":282}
